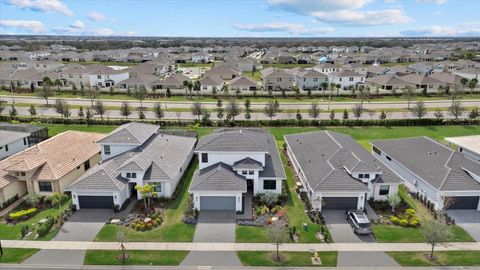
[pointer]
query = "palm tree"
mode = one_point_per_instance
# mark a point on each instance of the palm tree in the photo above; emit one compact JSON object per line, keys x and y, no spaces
{"x":148,"y":192}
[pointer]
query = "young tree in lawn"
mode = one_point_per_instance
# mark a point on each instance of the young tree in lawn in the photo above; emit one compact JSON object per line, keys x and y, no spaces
{"x":32,"y":87}
{"x":383,"y":115}
{"x":141,"y":115}
{"x":125,"y":110}
{"x":456,"y":110}
{"x":13,"y":112}
{"x":270,"y":109}
{"x":464,"y":82}
{"x":185,"y":86}
{"x":472,"y":84}
{"x":474,"y":113}
{"x":197,"y":109}
{"x":88,"y":114}
{"x":81,"y":112}
{"x":197,"y":86}
{"x":148,"y":192}
{"x":57,"y":83}
{"x":157,"y":109}
{"x":46,"y":90}
{"x":357,"y":111}
{"x":32,"y":111}
{"x":409,"y":93}
{"x":299,"y":116}
{"x":363,"y":94}
{"x":345,"y":114}
{"x":435,"y":233}
{"x":205,"y":118}
{"x":296,"y":90}
{"x":220,"y":110}
{"x":120,"y":235}
{"x":314,"y":110}
{"x":92,"y":94}
{"x":62,"y":108}
{"x":82,"y":89}
{"x":277,"y":233}
{"x":74,"y":89}
{"x":99,"y":108}
{"x":232,"y":109}
{"x":394,"y":200}
{"x":332,"y":115}
{"x":438,"y":113}
{"x":140,"y":94}
{"x":455,"y":94}
{"x":324,"y":86}
{"x":419,"y":110}
{"x":2,"y":105}
{"x":247,"y":106}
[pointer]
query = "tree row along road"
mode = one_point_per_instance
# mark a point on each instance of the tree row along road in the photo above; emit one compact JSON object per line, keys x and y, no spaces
{"x":255,"y":105}
{"x":82,"y":245}
{"x":187,"y":115}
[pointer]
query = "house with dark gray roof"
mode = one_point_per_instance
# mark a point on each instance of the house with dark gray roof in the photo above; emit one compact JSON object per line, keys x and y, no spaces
{"x":336,"y":172}
{"x":234,"y":165}
{"x":134,"y":154}
{"x":12,"y":142}
{"x":447,"y":178}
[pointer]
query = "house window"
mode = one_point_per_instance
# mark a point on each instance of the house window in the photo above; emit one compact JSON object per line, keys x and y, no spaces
{"x":269,"y":184}
{"x":279,"y":79}
{"x":384,"y":189}
{"x":376,"y":150}
{"x":86,"y":165}
{"x":389,"y":158}
{"x":24,"y":141}
{"x":315,"y":79}
{"x":129,"y":175}
{"x":99,"y":76}
{"x":106,"y":150}
{"x":6,"y":148}
{"x":367,"y":175}
{"x":158,"y":186}
{"x":22,"y":173}
{"x":204,"y":158}
{"x":250,"y":172}
{"x":360,"y":175}
{"x":351,"y":79}
{"x":244,"y":172}
{"x":134,"y":175}
{"x":45,"y":186}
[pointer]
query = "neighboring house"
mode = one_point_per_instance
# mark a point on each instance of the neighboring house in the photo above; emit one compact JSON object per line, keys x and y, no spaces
{"x":427,"y":83}
{"x":234,"y":165}
{"x":242,"y":83}
{"x":447,"y":178}
{"x":337,"y":173}
{"x":388,"y":82}
{"x":202,"y":57}
{"x":49,"y":166}
{"x":133,"y":154}
{"x":310,"y":79}
{"x":468,"y":145}
{"x":276,"y":79}
{"x":210,"y":84}
{"x":36,"y":133}
{"x":148,"y":81}
{"x":468,"y":73}
{"x":448,"y":79}
{"x":107,"y":77}
{"x":346,"y":79}
{"x":224,"y":72}
{"x":12,"y":142}
{"x":327,"y":68}
{"x":173,"y":82}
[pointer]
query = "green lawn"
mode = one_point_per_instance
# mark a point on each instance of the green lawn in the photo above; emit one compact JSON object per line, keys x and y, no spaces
{"x":16,"y":255}
{"x":172,"y":228}
{"x":264,"y":258}
{"x":136,"y":257}
{"x":54,"y":129}
{"x":251,"y":234}
{"x":444,"y":258}
{"x":13,"y":232}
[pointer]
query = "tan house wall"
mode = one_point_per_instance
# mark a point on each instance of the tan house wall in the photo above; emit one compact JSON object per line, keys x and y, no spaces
{"x":14,"y":188}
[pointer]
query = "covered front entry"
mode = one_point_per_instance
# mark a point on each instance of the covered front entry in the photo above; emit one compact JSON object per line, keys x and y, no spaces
{"x":95,"y":202}
{"x":217,"y":203}
{"x":339,"y":203}
{"x":460,"y":202}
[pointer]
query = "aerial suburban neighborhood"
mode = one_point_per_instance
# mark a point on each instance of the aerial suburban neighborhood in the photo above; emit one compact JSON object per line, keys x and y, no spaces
{"x":239,"y":134}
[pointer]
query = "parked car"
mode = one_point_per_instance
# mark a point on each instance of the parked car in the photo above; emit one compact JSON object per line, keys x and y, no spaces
{"x":359,"y":222}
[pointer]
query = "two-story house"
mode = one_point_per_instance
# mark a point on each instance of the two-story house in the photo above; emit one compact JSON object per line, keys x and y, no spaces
{"x":133,"y":155}
{"x":235,"y":164}
{"x":346,"y":79}
{"x":310,"y":79}
{"x":336,"y":172}
{"x":276,"y":79}
{"x":49,"y":166}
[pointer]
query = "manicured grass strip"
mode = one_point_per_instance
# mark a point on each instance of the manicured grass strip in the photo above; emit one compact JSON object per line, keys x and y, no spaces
{"x":264,"y":258}
{"x":444,"y":258}
{"x":17,"y":255}
{"x":136,"y":257}
{"x":54,"y":129}
{"x":172,"y":229}
{"x":251,"y":234}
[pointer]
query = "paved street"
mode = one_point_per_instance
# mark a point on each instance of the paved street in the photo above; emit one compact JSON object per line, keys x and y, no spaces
{"x":214,"y":227}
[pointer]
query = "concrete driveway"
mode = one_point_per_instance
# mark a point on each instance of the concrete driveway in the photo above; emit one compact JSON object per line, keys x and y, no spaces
{"x":469,"y":220}
{"x":214,"y":227}
{"x":341,"y":230}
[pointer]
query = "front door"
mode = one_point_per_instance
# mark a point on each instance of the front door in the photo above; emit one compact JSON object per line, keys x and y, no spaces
{"x":250,"y":186}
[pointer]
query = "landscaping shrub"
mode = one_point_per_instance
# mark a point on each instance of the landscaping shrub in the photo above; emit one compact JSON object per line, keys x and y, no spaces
{"x":407,"y":219}
{"x":44,"y":229}
{"x":24,"y":230}
{"x":22,"y":214}
{"x":269,"y":198}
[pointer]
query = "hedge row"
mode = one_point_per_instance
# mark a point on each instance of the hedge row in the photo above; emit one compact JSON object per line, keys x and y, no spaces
{"x":255,"y":123}
{"x":22,"y":214}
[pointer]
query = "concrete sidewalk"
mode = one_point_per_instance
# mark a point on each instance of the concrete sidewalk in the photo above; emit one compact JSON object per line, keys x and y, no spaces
{"x":81,"y":245}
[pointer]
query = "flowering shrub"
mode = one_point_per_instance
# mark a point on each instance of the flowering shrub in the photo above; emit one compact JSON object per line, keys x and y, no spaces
{"x":22,"y":214}
{"x":147,"y":224}
{"x":407,"y":219}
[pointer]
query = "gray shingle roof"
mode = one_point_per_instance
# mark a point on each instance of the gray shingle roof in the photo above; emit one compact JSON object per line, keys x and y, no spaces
{"x":324,"y":157}
{"x":439,"y":166}
{"x":131,"y":133}
{"x":7,"y":137}
{"x":218,"y":177}
{"x":247,"y":163}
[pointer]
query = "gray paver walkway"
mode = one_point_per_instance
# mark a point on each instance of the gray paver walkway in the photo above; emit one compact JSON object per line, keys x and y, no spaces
{"x":365,"y":259}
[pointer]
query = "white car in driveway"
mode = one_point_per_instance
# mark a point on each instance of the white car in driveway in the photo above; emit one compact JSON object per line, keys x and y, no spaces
{"x":359,"y":222}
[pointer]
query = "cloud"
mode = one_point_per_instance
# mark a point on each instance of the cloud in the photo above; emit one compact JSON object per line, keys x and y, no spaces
{"x":349,"y":12}
{"x":83,"y":32}
{"x":363,"y":18}
{"x":439,"y":2}
{"x":96,"y":16}
{"x":290,"y":28}
{"x":30,"y":26}
{"x":465,"y":29}
{"x":42,"y":6}
{"x":78,"y":25}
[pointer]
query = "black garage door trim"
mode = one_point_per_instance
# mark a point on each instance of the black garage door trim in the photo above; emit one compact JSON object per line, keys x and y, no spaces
{"x":217,"y":203}
{"x":95,"y":202}
{"x":461,"y":202}
{"x":340,"y":203}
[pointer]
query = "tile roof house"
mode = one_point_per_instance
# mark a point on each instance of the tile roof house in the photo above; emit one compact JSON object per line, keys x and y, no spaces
{"x":49,"y":166}
{"x":336,"y":172}
{"x":242,"y":83}
{"x":447,"y":178}
{"x":275,"y":79}
{"x":235,"y":164}
{"x":421,"y":81}
{"x":133,"y":154}
{"x":388,"y":82}
{"x":468,"y":145}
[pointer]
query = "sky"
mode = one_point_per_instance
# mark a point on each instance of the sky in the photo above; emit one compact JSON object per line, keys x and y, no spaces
{"x":242,"y":18}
